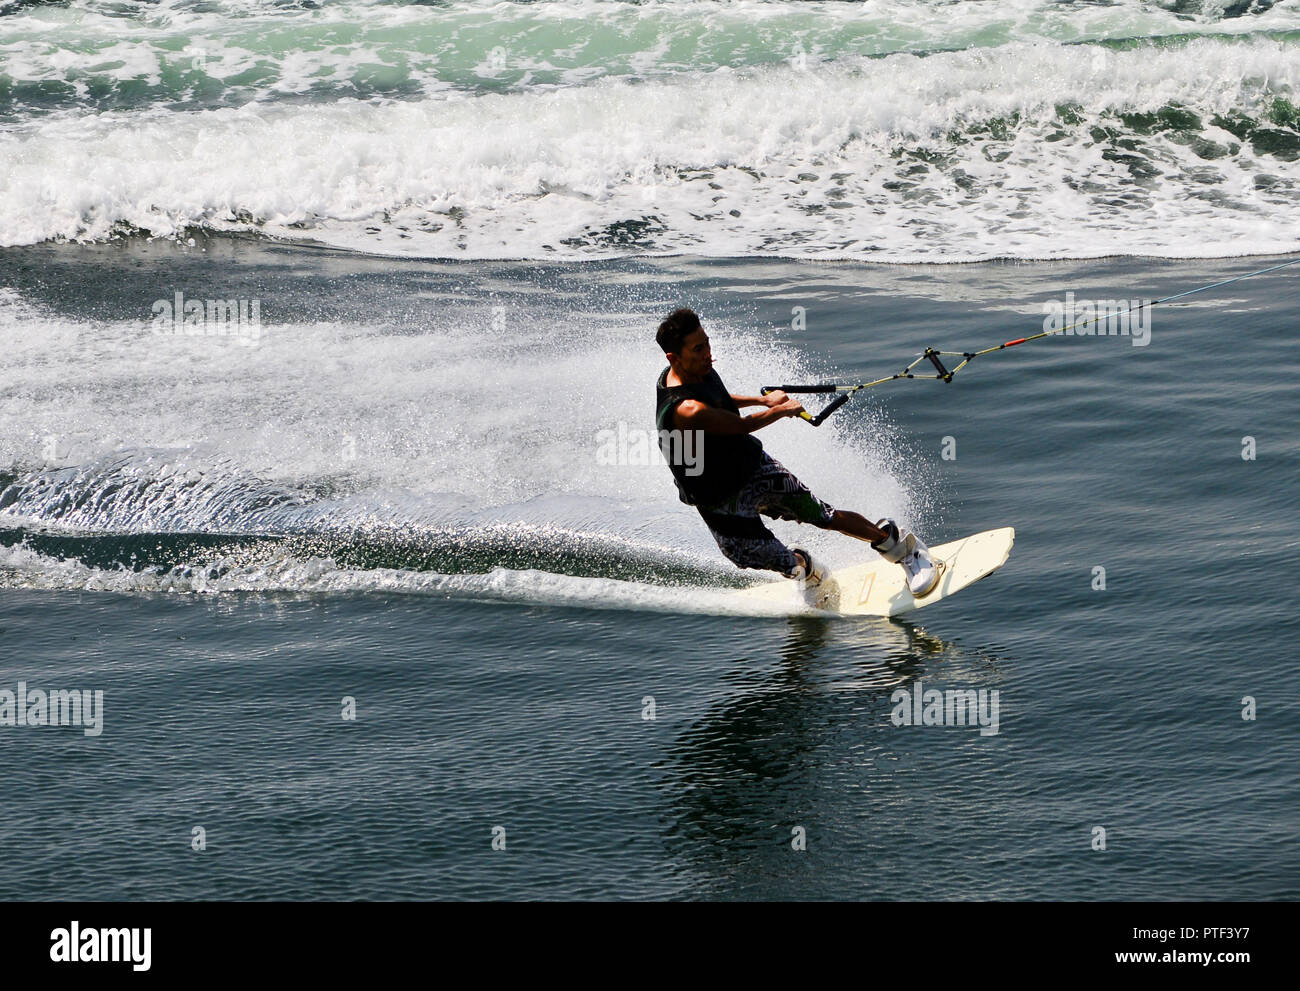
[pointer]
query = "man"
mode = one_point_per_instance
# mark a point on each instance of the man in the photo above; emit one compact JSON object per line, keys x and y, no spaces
{"x":734,"y":480}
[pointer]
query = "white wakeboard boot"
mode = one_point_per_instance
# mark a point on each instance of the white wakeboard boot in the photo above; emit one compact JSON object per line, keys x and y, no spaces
{"x":808,"y":576}
{"x":908,"y":551}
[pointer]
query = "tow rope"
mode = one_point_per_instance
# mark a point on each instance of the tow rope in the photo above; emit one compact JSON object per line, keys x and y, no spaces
{"x":945,"y":374}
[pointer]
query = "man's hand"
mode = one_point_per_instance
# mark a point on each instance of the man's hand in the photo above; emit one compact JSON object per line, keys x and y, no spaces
{"x":789,"y":407}
{"x":782,"y":403}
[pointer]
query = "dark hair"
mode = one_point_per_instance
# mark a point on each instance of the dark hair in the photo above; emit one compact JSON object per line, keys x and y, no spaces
{"x":677,"y":326}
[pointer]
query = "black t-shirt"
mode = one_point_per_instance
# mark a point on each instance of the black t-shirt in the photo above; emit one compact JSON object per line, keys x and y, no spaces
{"x":723,"y":462}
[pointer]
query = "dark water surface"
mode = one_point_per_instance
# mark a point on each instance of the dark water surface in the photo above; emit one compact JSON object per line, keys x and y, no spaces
{"x":501,"y":669}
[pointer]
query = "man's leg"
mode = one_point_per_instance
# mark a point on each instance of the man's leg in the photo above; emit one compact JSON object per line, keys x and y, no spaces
{"x":784,"y":497}
{"x":747,"y":543}
{"x":855,"y":525}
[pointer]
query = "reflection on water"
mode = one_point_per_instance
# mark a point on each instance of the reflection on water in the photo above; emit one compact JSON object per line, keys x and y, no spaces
{"x":783,"y":746}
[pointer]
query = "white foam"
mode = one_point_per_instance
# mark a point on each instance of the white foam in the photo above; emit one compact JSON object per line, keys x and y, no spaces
{"x":254,"y":51}
{"x":778,"y":160}
{"x":475,"y":425}
{"x":22,"y":567}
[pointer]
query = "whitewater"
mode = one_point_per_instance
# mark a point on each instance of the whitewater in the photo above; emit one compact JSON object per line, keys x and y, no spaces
{"x":906,"y":132}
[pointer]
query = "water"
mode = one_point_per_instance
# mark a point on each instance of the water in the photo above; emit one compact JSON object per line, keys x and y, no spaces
{"x":905,"y":131}
{"x":499,"y":606}
{"x":389,"y":490}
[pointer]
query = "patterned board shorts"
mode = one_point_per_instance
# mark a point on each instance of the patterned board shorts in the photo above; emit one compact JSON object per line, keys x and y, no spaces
{"x":773,"y":491}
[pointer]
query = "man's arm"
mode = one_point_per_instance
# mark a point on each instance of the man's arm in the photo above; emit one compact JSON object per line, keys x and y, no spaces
{"x":694,"y":415}
{"x":770,"y":400}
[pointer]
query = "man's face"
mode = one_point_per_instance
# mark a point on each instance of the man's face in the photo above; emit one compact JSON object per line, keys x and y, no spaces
{"x":696,"y":358}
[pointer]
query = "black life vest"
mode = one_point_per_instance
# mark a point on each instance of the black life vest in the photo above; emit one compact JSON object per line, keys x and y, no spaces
{"x":727,"y":460}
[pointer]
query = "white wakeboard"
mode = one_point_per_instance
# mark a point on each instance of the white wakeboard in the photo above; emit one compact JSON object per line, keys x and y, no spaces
{"x":879,"y":588}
